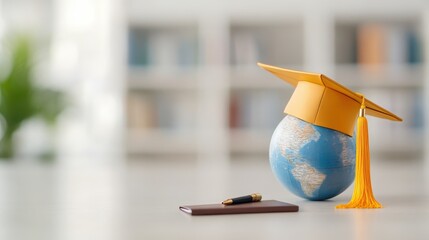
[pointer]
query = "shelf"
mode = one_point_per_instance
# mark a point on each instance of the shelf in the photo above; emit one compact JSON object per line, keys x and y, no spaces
{"x":387,"y":77}
{"x":349,"y":75}
{"x":160,"y":79}
{"x":156,"y":141}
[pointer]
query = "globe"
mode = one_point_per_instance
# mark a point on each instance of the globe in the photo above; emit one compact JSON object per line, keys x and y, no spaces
{"x":313,"y":162}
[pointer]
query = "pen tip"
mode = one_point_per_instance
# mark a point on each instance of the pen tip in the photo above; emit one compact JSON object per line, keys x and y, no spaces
{"x":227,"y":202}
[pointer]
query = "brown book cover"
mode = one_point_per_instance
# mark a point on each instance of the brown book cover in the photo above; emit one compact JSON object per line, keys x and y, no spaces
{"x":267,"y":206}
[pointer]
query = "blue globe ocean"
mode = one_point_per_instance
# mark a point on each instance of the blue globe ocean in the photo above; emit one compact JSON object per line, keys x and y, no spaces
{"x":313,"y":162}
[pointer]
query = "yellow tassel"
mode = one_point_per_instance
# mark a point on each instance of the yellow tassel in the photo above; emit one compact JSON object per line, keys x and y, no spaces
{"x":362,"y":194}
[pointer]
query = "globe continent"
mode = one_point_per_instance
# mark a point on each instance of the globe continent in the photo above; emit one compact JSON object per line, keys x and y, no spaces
{"x":313,"y":162}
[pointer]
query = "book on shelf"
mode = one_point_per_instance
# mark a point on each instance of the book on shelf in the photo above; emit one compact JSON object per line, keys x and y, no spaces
{"x":371,"y":47}
{"x":414,"y":48}
{"x":345,"y":44}
{"x":234,"y":114}
{"x":140,"y":112}
{"x":138,"y":48}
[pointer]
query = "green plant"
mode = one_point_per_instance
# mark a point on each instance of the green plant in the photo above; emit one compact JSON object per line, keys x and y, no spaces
{"x":21,"y":99}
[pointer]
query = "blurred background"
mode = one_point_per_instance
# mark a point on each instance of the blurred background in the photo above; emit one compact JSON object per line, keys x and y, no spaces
{"x":133,"y":79}
{"x":141,"y":85}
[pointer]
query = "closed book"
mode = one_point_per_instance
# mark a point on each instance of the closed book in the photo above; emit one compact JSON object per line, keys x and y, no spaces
{"x":267,"y":206}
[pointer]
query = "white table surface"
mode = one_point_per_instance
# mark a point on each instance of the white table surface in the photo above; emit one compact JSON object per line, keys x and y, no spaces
{"x":140,"y":200}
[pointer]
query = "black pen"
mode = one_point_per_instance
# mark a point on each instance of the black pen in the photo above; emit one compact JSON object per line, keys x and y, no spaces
{"x":255,"y":197}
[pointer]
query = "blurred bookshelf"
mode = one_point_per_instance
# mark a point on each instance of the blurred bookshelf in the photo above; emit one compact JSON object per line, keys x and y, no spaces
{"x":168,"y":63}
{"x":161,"y":92}
{"x":384,"y":60}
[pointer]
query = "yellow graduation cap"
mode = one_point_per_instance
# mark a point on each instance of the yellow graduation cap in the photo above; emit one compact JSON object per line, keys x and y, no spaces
{"x":321,"y":101}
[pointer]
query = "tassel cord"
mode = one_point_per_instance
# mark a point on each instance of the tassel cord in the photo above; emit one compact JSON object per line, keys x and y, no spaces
{"x":362,"y":194}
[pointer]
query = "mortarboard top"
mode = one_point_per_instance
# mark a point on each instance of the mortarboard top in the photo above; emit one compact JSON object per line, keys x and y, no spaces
{"x":321,"y":101}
